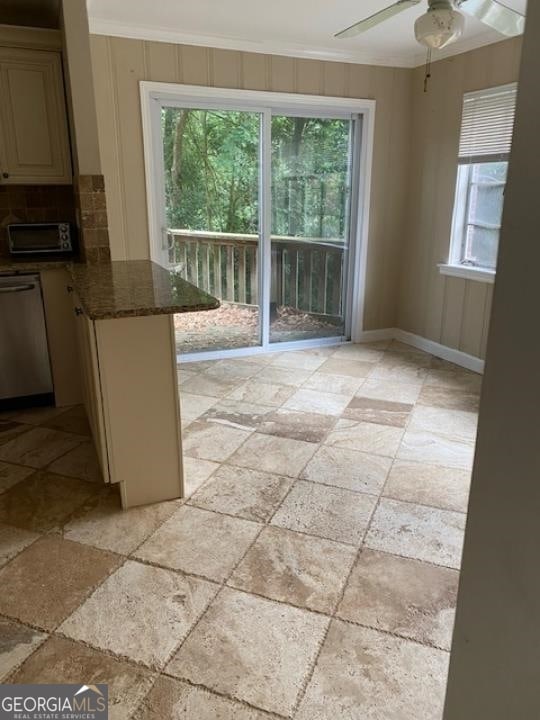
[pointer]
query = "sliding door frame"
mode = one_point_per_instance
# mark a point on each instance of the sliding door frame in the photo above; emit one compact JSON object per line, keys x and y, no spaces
{"x":361,"y":113}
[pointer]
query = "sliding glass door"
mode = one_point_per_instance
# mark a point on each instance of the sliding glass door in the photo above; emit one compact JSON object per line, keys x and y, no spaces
{"x":311,"y":171}
{"x":255,"y":208}
{"x":211,"y":165}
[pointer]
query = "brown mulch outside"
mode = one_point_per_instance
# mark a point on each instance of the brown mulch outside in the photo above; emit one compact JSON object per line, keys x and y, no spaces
{"x":234,"y":326}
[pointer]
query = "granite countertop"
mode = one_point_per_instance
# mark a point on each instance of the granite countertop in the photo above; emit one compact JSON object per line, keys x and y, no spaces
{"x":125,"y":288}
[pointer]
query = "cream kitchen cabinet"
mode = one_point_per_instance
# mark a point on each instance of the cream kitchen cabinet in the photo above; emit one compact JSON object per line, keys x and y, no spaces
{"x":34,"y":137}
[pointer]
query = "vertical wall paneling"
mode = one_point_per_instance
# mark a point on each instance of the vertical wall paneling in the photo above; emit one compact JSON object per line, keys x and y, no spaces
{"x":194,"y":65}
{"x":473,"y":318}
{"x":413,"y":165}
{"x":118,"y":101}
{"x":255,"y":71}
{"x":447,"y":310}
{"x":283,"y":73}
{"x":453,"y":306}
{"x":227,"y":68}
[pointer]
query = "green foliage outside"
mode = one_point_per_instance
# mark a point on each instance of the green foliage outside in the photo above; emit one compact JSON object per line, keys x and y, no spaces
{"x":212,"y":173}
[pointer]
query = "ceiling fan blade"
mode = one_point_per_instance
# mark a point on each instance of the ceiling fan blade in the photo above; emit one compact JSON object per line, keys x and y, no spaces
{"x":497,"y":16}
{"x":376,"y":18}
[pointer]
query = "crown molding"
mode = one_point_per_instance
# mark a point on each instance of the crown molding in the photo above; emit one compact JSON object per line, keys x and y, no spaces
{"x":100,"y":26}
{"x":113,"y":28}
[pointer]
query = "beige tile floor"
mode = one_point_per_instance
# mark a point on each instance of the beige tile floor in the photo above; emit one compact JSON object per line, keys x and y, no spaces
{"x":310,"y":574}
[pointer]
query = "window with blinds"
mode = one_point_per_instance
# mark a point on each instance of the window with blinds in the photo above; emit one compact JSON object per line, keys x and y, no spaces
{"x":484,"y":147}
{"x":486,"y":125}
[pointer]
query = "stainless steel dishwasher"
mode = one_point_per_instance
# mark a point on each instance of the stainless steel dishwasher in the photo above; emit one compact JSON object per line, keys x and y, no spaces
{"x":25,"y":372}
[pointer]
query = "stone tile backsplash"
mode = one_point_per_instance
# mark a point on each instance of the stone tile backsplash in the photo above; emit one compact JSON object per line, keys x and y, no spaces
{"x":91,"y":204}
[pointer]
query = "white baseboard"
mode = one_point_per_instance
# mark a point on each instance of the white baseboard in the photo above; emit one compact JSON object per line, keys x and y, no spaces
{"x":443,"y":351}
{"x":470,"y":362}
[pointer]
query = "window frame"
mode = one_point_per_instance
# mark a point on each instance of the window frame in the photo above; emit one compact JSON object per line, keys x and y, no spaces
{"x":457,"y":264}
{"x":461,"y":221}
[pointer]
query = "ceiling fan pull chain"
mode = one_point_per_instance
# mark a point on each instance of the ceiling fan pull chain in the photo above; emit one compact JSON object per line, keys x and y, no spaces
{"x":428,"y":70}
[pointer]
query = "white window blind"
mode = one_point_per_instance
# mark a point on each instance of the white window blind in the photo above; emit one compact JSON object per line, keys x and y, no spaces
{"x":487,"y":124}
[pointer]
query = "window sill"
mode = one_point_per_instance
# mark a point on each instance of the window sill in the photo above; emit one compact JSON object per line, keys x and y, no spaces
{"x":467,"y":273}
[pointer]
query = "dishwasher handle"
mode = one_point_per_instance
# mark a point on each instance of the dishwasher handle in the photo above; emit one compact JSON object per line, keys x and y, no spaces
{"x":17,"y":288}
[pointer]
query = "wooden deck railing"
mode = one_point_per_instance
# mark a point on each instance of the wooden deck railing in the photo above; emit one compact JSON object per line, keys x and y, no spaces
{"x":307,"y":273}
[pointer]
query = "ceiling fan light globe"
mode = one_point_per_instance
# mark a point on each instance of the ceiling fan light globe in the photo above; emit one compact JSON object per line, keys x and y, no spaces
{"x":438,"y":28}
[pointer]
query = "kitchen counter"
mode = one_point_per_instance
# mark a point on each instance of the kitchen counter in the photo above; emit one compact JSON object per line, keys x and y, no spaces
{"x":124,"y":288}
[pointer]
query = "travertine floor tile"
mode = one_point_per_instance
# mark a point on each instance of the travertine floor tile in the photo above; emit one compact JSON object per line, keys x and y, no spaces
{"x":193,"y":406}
{"x":154,"y":609}
{"x":348,"y":469}
{"x":242,"y":492}
{"x":362,"y":673}
{"x":251,"y":649}
{"x":12,"y":474}
{"x":196,"y":472}
{"x":390,"y":390}
{"x":176,"y":700}
{"x":339,"y":384}
{"x":231,"y":369}
{"x":331,"y":513}
{"x":241,"y":414}
{"x":10,"y":429}
{"x":383,"y":412}
{"x":402,"y":596}
{"x":273,"y":454}
{"x":282,"y":375}
{"x":434,"y":449}
{"x":63,"y":661}
{"x":265,"y":393}
{"x":353,"y":351}
{"x":205,"y":384}
{"x":296,"y":569}
{"x":81,"y":462}
{"x":349,"y":368}
{"x":401,"y":367}
{"x":44,"y":501}
{"x":17,"y":642}
{"x":213,"y":440}
{"x":200,"y":542}
{"x":49,"y":579}
{"x":454,"y":424}
{"x":417,"y":531}
{"x":38,"y":447}
{"x":454,"y":379}
{"x":12,"y":541}
{"x":309,"y":427}
{"x":104,"y":524}
{"x":73,"y":420}
{"x":449,"y":398}
{"x":302,"y":360}
{"x":441,"y":487}
{"x":365,"y":436}
{"x":315,"y":401}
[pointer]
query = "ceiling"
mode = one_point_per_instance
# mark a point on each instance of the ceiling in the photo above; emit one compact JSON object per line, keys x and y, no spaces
{"x":301,"y":28}
{"x":30,"y":13}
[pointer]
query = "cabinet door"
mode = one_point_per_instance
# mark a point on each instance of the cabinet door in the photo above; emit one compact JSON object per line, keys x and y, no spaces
{"x":61,"y":333}
{"x":33,"y":123}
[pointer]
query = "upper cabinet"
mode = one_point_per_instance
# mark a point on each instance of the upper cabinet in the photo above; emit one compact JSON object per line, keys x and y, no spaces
{"x":34,"y":139}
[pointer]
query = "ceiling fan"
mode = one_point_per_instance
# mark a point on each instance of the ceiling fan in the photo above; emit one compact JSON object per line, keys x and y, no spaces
{"x":443,"y":23}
